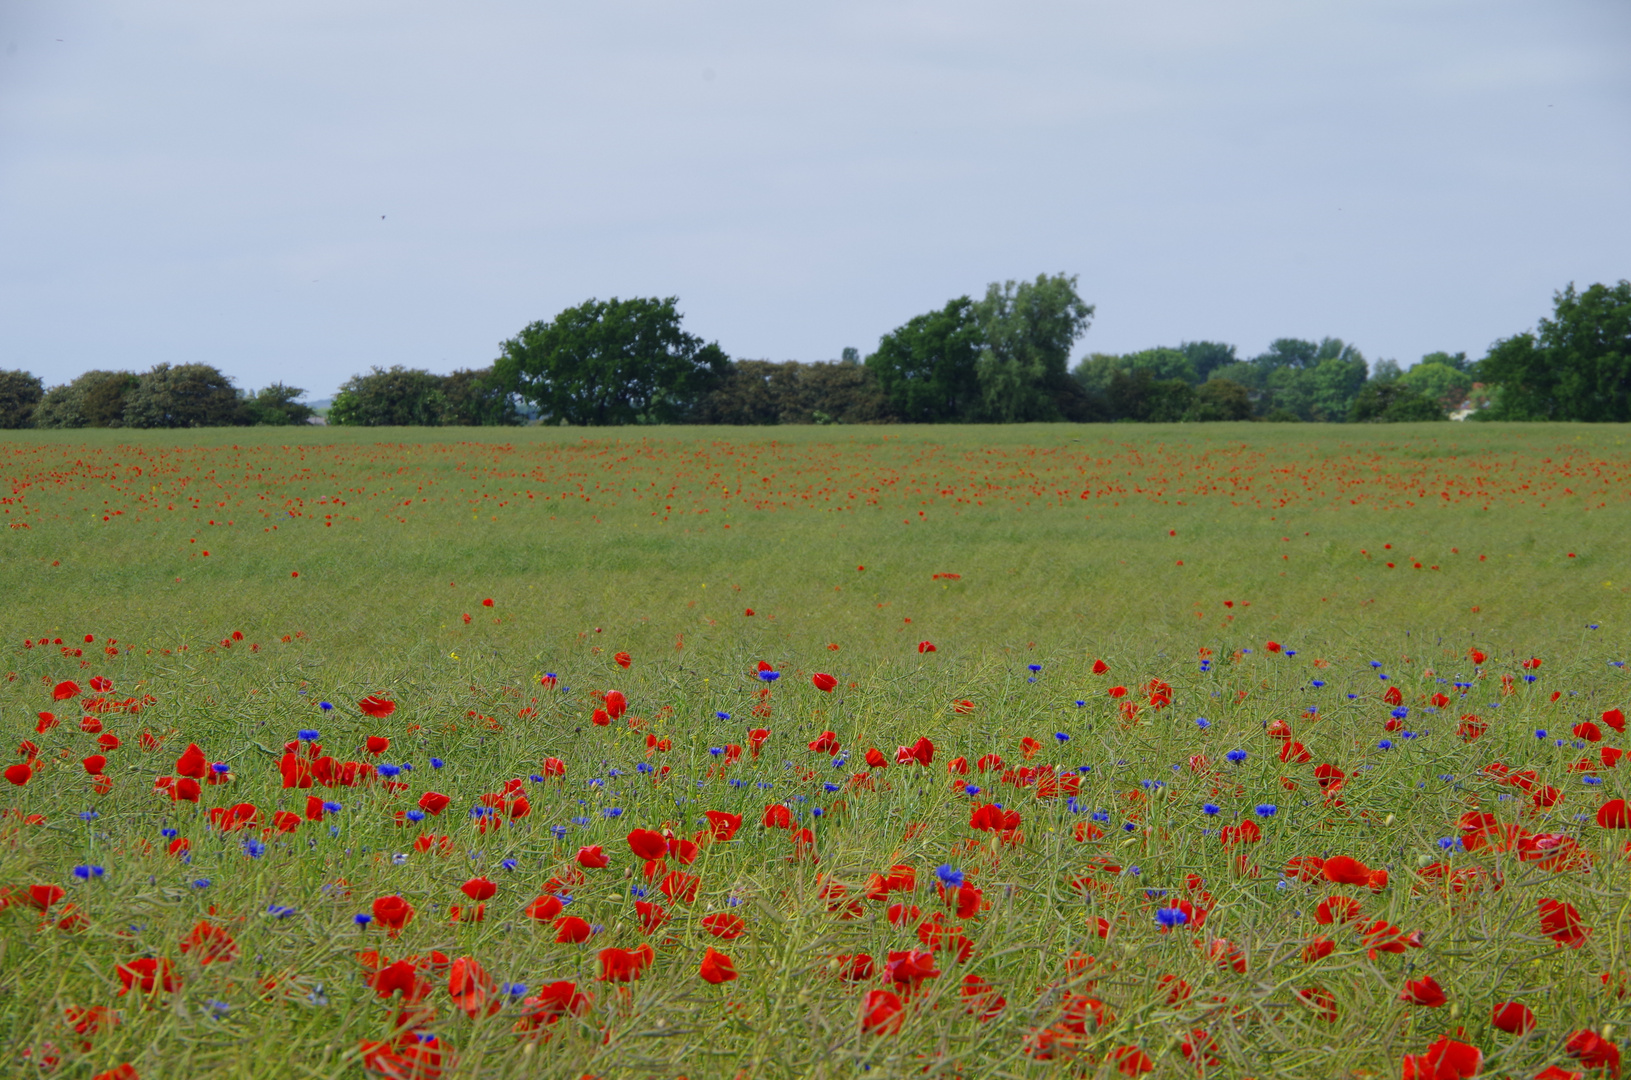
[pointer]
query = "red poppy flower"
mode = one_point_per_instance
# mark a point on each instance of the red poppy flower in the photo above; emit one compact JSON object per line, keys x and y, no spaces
{"x":823,"y":682}
{"x":616,"y":704}
{"x":185,"y":789}
{"x":1445,"y":1059}
{"x":1335,"y":909}
{"x":723,"y":825}
{"x":591,"y":858}
{"x":722,"y":924}
{"x":146,"y":975}
{"x":1117,"y":691}
{"x":1345,"y":870}
{"x":554,"y":766}
{"x":875,"y":759}
{"x":192,"y":762}
{"x":881,"y":1012}
{"x":1615,"y":719}
{"x":1318,"y":949}
{"x":1131,"y":1061}
{"x":212,"y":944}
{"x":1514,"y":1018}
{"x":909,"y":968}
{"x":434,"y":802}
{"x":471,"y":988}
{"x":623,"y":659}
{"x":624,"y":965}
{"x":1593,"y":1051}
{"x":65,"y":690}
{"x":479,"y":889}
{"x":393,"y":912}
{"x":314,"y":808}
{"x":377,"y":744}
{"x":1561,"y":922}
{"x":825,"y":743}
{"x":716,"y":967}
{"x":43,"y":896}
{"x":127,"y":1071}
{"x":553,"y":1001}
{"x":284,"y":821}
{"x":1613,"y":814}
{"x":376,"y":706}
{"x":1100,"y":667}
{"x":1272,"y":646}
{"x":545,"y":908}
{"x":1423,"y":991}
{"x":962,"y":708}
{"x":46,"y":722}
{"x":19,"y":773}
{"x":572,"y":930}
{"x":647,"y":844}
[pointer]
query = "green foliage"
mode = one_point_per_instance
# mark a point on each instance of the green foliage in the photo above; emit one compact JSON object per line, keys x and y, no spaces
{"x":1098,"y":370}
{"x":1458,"y":361}
{"x":1391,"y":401}
{"x":1446,"y":385}
{"x":20,"y":394}
{"x":1027,"y":332}
{"x":1139,"y":396}
{"x":1220,"y":399}
{"x":762,"y":392}
{"x":1208,"y":356}
{"x":183,"y":395}
{"x":926,"y":369}
{"x":475,"y":398}
{"x":275,"y":405}
{"x":610,"y":362}
{"x":399,"y":396}
{"x":96,"y":399}
{"x":1577,"y":367}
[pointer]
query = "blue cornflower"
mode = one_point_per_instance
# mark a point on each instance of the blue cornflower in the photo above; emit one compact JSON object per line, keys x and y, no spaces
{"x":559,"y":831}
{"x":535,"y":778}
{"x":1591,"y":780}
{"x":221,"y":767}
{"x":325,"y":706}
{"x":85,"y":873}
{"x":723,"y":715}
{"x":1101,"y":815}
{"x":1202,"y":722}
{"x":816,"y":812}
{"x":1267,"y":809}
{"x":770,"y":676}
{"x":1170,"y":917}
{"x":1448,"y":842}
{"x":829,"y":788}
{"x":201,"y":883}
{"x":307,"y":734}
{"x":279,"y":911}
{"x":1034,"y":667}
{"x":88,"y":815}
{"x":1317,"y":683}
{"x":217,"y":1008}
{"x":949,"y":875}
{"x":645,"y":767}
{"x":1376,"y":663}
{"x":1385,"y":744}
{"x":437,"y":763}
{"x":716,"y":750}
{"x":1206,"y":665}
{"x":388,"y":771}
{"x":362,"y":920}
{"x":509,"y":864}
{"x":1400,"y":713}
{"x":168,"y":833}
{"x":1210,"y":809}
{"x":612,"y":812}
{"x":254,"y":848}
{"x":1081,"y":704}
{"x":1061,"y":736}
{"x":332,"y":807}
{"x":637,"y":891}
{"x":1128,"y":826}
{"x":1540,"y":733}
{"x":1236,"y":755}
{"x":415,"y":815}
{"x":970,"y":789}
{"x":514,"y":990}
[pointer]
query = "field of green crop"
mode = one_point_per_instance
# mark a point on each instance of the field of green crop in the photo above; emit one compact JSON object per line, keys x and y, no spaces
{"x":1220,"y":751}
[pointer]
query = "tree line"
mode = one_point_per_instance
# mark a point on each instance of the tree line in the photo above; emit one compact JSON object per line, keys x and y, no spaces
{"x":1003,"y":358}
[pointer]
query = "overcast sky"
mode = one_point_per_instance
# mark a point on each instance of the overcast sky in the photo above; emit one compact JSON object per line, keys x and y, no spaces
{"x":295,"y":191}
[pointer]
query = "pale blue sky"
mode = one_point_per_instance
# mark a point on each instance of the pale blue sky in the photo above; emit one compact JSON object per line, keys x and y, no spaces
{"x":206,"y":181}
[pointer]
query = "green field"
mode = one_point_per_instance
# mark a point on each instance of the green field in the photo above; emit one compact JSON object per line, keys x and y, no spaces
{"x":227,"y":582}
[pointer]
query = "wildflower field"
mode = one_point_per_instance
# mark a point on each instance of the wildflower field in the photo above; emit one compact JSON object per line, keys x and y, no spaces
{"x":1217,"y":751}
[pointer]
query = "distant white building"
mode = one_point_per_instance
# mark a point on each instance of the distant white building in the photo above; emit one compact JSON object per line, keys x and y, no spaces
{"x":320,"y":421}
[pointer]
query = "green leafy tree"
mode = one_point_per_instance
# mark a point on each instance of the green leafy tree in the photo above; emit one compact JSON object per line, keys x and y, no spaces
{"x":1027,"y":332}
{"x":1207,"y":356}
{"x":1287,"y":353}
{"x":752,"y":392}
{"x":1219,"y":399}
{"x":1458,"y":361}
{"x":1577,"y":366}
{"x":390,"y":397}
{"x":1098,"y":369}
{"x":182,"y":395}
{"x":95,"y":399}
{"x":20,"y":394}
{"x":1446,"y":385}
{"x":926,"y":369}
{"x":475,"y":398}
{"x":1333,"y":384}
{"x":1390,"y":401}
{"x":275,"y":406}
{"x":611,"y":362}
{"x":1139,"y":396}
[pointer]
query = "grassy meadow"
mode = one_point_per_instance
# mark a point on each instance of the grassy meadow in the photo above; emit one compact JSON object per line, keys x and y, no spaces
{"x":1180,"y":641}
